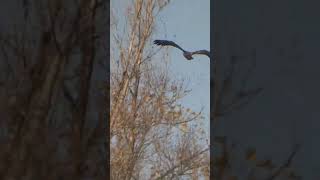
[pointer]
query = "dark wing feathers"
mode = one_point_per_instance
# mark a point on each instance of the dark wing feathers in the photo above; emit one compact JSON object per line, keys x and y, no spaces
{"x":203,"y":52}
{"x":167,"y":43}
{"x":171,"y":43}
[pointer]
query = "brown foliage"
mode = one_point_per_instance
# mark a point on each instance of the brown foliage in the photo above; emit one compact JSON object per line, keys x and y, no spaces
{"x":151,"y":132}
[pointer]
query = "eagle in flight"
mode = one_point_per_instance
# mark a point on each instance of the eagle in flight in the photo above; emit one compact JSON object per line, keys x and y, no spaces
{"x":186,"y":54}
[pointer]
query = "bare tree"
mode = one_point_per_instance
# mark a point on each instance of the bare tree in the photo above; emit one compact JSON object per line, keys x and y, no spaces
{"x":48,"y":107}
{"x":231,"y":93}
{"x":152,"y":135}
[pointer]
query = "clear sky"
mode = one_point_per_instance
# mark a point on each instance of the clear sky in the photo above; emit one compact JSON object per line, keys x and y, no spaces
{"x":187,"y":22}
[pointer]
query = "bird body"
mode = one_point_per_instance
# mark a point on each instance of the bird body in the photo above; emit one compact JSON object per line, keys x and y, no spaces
{"x":188,"y":55}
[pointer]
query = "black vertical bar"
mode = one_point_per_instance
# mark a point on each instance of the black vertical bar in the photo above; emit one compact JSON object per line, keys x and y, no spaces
{"x":212,"y":60}
{"x":108,"y":95}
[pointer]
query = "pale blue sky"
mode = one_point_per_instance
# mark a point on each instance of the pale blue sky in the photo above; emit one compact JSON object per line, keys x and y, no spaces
{"x":187,"y":22}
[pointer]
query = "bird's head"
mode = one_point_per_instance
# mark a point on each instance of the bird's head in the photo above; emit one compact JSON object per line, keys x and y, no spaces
{"x":187,"y":55}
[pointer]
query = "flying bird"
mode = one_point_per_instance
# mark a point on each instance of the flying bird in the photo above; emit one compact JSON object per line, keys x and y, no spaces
{"x":186,"y":54}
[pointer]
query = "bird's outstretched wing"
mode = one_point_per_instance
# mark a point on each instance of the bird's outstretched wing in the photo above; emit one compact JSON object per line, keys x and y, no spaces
{"x":203,"y":52}
{"x":167,"y":43}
